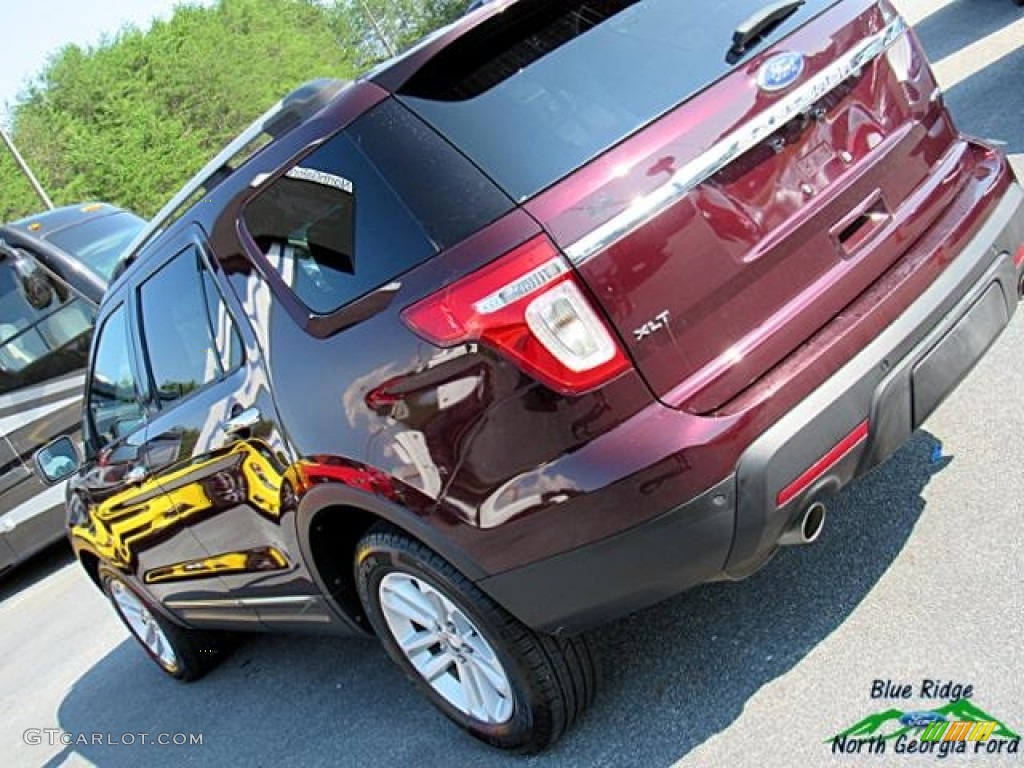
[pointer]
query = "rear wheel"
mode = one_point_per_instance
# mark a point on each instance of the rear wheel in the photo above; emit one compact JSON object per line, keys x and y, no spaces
{"x":507,"y":685}
{"x":184,"y":654}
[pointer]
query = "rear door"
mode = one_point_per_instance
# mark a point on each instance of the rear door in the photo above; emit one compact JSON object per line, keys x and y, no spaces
{"x":748,"y":218}
{"x":214,"y":444}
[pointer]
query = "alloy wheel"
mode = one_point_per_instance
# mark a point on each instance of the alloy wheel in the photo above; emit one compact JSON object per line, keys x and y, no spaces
{"x":143,"y":625}
{"x":446,"y":648}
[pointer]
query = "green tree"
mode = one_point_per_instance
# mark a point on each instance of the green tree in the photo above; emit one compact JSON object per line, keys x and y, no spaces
{"x":362,"y":23}
{"x":16,"y":196}
{"x":131,"y":119}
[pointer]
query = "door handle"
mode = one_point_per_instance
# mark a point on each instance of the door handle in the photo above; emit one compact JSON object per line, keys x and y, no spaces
{"x":137,"y":474}
{"x":861,"y":225}
{"x":242,"y":422}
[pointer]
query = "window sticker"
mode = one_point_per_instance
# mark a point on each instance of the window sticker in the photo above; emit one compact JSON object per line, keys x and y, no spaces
{"x":319,"y":177}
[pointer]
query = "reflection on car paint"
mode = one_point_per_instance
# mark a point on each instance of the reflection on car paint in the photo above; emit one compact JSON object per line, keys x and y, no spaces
{"x":326,"y":469}
{"x":263,"y":559}
{"x":141,"y":516}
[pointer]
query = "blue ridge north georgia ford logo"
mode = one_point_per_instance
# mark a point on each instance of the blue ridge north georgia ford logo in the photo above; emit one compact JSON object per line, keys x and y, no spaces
{"x":780,"y":71}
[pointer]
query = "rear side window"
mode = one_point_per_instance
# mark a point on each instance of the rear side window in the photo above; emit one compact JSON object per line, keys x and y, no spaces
{"x":114,"y":408}
{"x":184,"y":351}
{"x":539,"y":89}
{"x":373,"y":202}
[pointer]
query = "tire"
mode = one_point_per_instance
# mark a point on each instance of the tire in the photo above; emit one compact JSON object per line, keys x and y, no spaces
{"x":530,"y":687}
{"x":181,"y":653}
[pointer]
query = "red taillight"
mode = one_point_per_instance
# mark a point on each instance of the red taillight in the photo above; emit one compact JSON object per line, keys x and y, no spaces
{"x":529,"y":307}
{"x":1018,"y":258}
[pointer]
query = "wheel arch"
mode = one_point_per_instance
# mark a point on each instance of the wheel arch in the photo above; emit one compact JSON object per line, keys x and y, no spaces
{"x":330,"y":521}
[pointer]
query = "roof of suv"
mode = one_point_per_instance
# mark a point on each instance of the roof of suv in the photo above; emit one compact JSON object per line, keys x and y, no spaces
{"x":289,"y":112}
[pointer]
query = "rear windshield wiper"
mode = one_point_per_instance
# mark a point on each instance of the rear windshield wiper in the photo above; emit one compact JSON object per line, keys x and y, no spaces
{"x":760,"y":24}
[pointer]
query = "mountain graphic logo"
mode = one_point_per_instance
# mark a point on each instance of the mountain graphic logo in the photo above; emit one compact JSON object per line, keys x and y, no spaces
{"x":886,"y":724}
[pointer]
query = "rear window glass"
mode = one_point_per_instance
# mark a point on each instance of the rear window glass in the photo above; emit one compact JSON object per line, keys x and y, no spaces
{"x":541,"y":88}
{"x":448,"y":196}
{"x":99,"y":243}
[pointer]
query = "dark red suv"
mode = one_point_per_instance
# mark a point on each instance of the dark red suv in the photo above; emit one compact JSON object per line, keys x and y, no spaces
{"x":576,"y":305}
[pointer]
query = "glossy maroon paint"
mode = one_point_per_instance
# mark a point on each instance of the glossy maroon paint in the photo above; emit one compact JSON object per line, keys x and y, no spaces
{"x":587,"y":467}
{"x":748,"y":266}
{"x":493,"y":469}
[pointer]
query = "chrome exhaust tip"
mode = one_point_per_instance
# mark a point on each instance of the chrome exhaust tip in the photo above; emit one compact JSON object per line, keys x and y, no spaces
{"x":806,"y":528}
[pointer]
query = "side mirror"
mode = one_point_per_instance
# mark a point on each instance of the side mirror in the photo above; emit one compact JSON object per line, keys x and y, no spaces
{"x":35,"y":287}
{"x":6,"y":252}
{"x":57,"y":460}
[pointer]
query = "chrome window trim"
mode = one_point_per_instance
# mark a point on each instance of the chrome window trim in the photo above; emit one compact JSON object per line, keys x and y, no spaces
{"x":240,"y":602}
{"x":735,"y":144}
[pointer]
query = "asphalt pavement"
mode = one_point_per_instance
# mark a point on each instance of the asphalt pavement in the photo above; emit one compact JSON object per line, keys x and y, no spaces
{"x":918,"y":576}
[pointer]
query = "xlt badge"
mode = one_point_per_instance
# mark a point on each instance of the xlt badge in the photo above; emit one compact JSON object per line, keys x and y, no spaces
{"x":652,"y":326}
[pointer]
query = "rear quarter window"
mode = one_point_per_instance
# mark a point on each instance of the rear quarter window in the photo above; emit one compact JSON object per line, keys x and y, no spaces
{"x":371,"y":203}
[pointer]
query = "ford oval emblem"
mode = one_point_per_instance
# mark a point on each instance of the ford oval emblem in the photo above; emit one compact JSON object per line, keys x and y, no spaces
{"x":921,"y":719}
{"x":780,"y":71}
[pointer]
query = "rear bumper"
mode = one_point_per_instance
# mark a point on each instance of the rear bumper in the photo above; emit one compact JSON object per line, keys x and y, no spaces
{"x":892,"y":386}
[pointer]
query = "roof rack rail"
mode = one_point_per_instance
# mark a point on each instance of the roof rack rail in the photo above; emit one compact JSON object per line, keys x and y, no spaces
{"x":304,"y":101}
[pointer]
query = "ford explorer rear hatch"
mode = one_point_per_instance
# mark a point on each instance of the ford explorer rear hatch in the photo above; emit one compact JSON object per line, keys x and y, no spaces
{"x":725,"y":177}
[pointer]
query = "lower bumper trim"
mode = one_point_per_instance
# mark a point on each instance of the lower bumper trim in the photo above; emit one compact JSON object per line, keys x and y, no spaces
{"x":637,"y":568}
